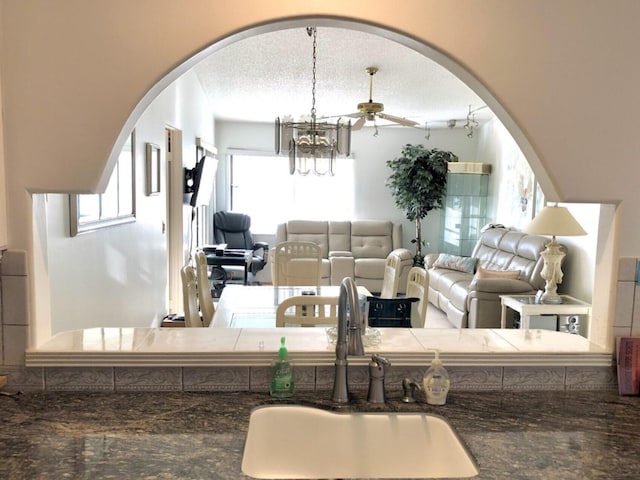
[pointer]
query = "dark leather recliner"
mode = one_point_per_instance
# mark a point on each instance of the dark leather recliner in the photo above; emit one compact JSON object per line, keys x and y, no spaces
{"x":234,"y":229}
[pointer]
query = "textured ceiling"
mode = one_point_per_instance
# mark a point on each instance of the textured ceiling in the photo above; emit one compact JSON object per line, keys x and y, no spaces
{"x":269,"y":75}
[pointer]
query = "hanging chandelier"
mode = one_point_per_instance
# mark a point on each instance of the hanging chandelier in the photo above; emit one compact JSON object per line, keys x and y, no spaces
{"x":312,"y":145}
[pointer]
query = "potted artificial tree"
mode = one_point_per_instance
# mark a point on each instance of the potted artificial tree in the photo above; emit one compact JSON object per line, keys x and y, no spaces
{"x":419,"y":182}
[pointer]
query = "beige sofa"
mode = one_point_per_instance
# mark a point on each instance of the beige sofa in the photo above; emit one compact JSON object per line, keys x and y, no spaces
{"x":356,"y":249}
{"x":472,"y":299}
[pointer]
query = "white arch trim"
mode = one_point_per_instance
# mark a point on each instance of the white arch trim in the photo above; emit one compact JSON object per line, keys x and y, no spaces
{"x":419,"y":46}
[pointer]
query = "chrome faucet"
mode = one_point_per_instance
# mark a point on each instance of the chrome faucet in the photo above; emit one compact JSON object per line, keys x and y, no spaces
{"x":349,"y":337}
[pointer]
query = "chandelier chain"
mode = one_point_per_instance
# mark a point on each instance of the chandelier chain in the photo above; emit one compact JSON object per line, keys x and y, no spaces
{"x":312,"y":31}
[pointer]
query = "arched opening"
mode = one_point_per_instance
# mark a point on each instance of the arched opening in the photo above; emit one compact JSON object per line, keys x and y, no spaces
{"x":408,"y":42}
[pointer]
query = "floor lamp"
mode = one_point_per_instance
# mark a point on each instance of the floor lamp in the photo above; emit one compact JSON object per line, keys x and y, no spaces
{"x":553,"y":220}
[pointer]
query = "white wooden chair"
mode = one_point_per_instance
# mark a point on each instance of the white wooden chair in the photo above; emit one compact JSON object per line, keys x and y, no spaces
{"x":307,"y":310}
{"x":205,"y":300}
{"x":418,"y":287}
{"x":391,"y":276}
{"x":190,"y":297}
{"x":297,"y":264}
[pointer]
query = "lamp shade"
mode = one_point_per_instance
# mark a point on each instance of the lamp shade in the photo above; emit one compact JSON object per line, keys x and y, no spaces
{"x":555,"y":220}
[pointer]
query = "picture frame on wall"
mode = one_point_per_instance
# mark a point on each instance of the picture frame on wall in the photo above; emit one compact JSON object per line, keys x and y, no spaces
{"x":153,"y":169}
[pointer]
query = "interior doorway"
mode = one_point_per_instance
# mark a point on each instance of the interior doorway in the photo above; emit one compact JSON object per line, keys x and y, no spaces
{"x":173,"y":220}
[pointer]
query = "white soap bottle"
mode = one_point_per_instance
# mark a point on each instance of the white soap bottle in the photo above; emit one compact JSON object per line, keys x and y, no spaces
{"x":436,"y":382}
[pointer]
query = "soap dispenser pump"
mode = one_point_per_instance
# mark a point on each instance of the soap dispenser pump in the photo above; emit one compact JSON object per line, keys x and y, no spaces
{"x":282,"y":374}
{"x":436,"y":382}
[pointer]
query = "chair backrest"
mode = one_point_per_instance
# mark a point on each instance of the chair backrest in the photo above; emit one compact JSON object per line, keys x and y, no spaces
{"x":307,"y":310}
{"x":205,"y":300}
{"x":189,"y":296}
{"x":390,"y":312}
{"x":418,"y":287}
{"x":297,"y":264}
{"x":234,"y":229}
{"x":391,"y":276}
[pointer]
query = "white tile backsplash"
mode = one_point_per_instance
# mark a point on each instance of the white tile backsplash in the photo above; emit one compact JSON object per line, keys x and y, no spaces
{"x":635,"y":317}
{"x":76,"y":378}
{"x":215,"y":378}
{"x":624,"y":304}
{"x":14,"y":262}
{"x":627,"y":269}
{"x":533,"y":378}
{"x":476,"y":378}
{"x":591,"y":378}
{"x":148,"y":378}
{"x":15,"y":344}
{"x":15,"y":308}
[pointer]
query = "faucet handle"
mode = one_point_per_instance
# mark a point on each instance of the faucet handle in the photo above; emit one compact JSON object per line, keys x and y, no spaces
{"x":409,"y":387}
{"x":376,"y":378}
{"x":380,"y":360}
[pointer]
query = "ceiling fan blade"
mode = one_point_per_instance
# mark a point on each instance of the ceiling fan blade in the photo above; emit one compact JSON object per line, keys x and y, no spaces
{"x":401,"y":121}
{"x":359,"y":123}
{"x":350,"y":115}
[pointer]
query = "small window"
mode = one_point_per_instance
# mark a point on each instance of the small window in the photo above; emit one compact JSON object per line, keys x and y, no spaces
{"x":113,"y":207}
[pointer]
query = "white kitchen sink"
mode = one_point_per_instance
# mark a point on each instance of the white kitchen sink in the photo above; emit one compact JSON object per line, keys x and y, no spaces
{"x":293,"y":441}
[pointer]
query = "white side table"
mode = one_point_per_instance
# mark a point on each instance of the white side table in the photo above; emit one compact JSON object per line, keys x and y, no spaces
{"x":526,"y":305}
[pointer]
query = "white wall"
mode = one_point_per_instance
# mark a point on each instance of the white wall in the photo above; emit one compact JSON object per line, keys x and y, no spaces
{"x":116,"y":277}
{"x":4,"y":238}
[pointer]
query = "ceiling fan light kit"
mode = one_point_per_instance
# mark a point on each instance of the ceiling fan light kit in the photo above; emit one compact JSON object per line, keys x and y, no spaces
{"x":312,"y":145}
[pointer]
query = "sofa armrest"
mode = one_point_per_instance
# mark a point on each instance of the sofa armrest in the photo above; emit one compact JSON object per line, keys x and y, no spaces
{"x":502,"y":286}
{"x":430,"y":259}
{"x":342,"y":267}
{"x":404,"y":254}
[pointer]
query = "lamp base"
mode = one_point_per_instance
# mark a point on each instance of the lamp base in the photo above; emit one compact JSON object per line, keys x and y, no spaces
{"x":552,"y":272}
{"x":551,"y":299}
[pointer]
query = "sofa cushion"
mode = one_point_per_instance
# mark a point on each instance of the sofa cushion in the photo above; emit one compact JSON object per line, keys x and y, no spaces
{"x":484,"y":273}
{"x":449,"y":287}
{"x":370,"y":267}
{"x":371,"y":238}
{"x":339,"y":235}
{"x":325,"y":270}
{"x":458,"y":293}
{"x":455,"y":262}
{"x":442,"y":279}
{"x":309,"y":231}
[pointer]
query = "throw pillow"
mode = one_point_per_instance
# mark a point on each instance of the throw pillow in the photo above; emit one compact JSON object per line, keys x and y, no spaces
{"x":485,"y":273}
{"x":455,"y":262}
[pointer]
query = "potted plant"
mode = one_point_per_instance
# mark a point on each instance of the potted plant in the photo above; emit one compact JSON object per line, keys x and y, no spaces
{"x":419,"y":182}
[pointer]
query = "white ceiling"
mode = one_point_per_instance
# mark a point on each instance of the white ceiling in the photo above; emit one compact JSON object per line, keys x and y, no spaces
{"x":269,"y":75}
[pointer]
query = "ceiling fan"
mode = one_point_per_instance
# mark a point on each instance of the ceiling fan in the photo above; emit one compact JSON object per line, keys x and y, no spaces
{"x":369,"y":111}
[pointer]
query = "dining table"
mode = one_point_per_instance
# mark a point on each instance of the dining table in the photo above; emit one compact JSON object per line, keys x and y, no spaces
{"x":254,"y":306}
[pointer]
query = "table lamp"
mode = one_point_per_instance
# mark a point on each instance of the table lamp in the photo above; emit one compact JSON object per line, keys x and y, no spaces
{"x":553,"y":220}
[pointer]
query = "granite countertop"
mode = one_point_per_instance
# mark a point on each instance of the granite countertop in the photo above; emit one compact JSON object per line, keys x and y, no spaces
{"x":172,"y":435}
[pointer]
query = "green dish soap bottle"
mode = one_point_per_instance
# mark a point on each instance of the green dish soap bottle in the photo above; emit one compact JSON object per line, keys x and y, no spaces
{"x":282,"y":374}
